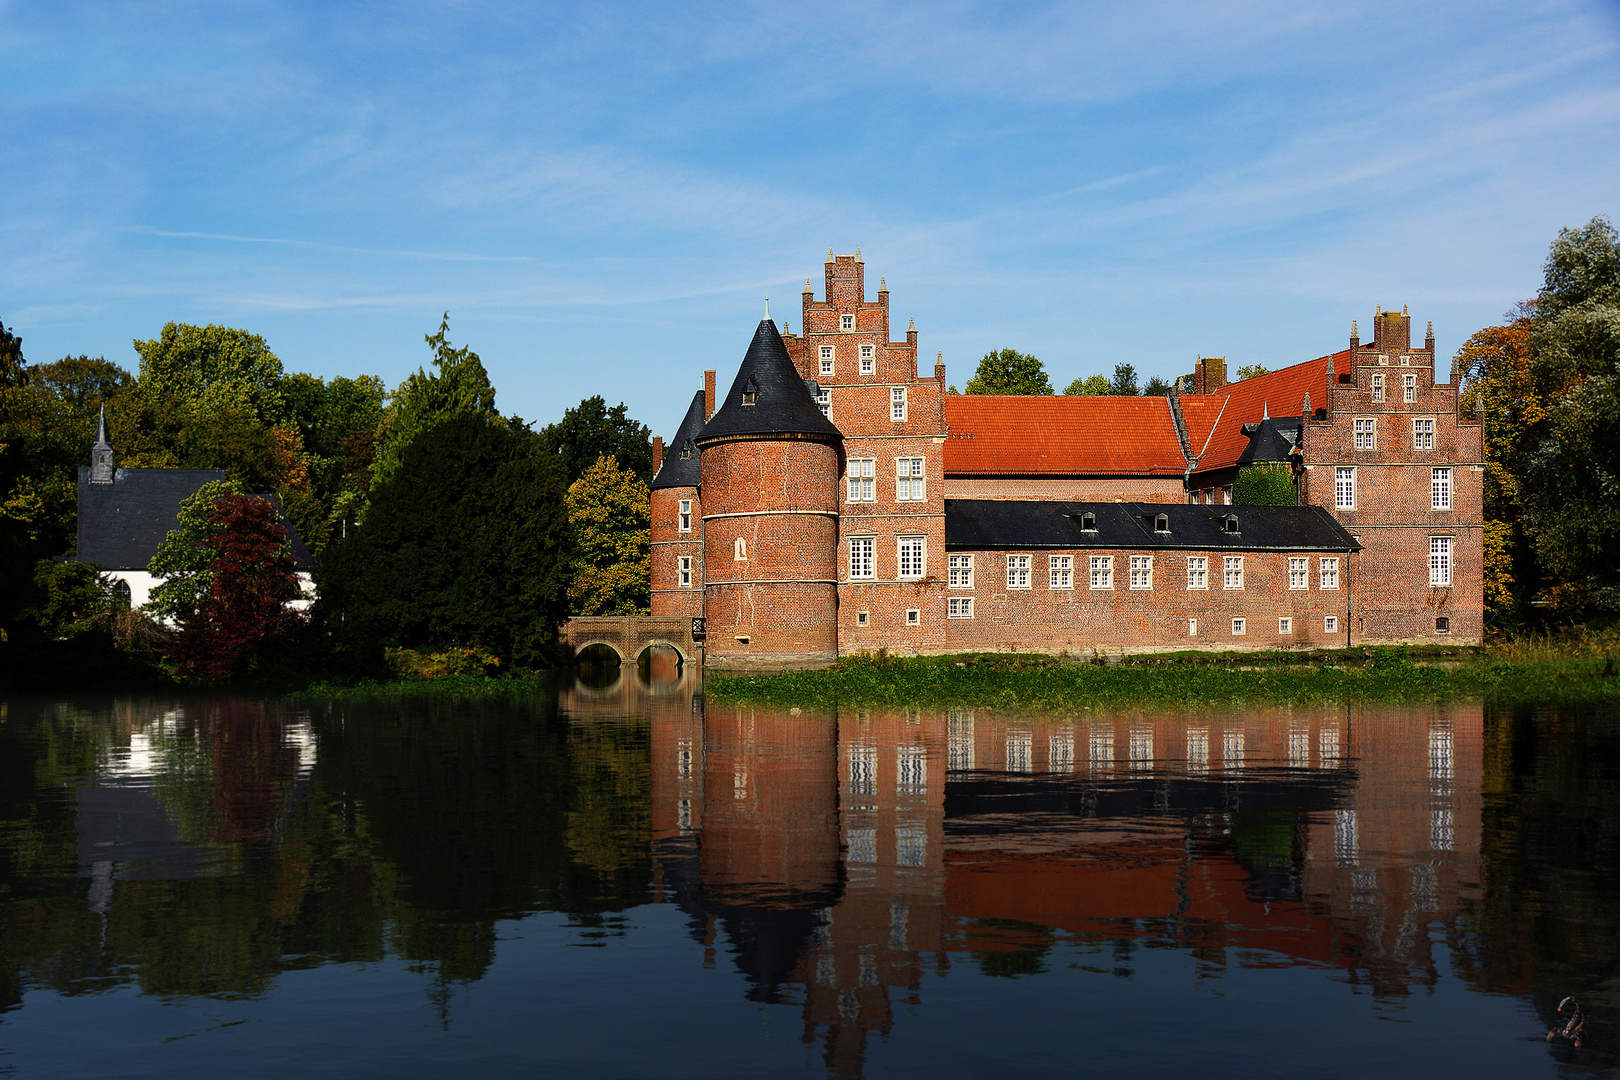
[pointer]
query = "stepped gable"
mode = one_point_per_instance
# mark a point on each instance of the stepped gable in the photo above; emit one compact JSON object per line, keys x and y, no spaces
{"x":678,"y":471}
{"x":782,"y":404}
{"x":1246,"y":402}
{"x":983,"y":524}
{"x":994,"y":435}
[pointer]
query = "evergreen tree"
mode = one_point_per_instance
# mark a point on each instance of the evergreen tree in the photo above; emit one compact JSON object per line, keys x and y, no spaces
{"x":1009,"y":372}
{"x":611,"y":516}
{"x":590,"y":430}
{"x":1123,"y":384}
{"x":458,"y":385}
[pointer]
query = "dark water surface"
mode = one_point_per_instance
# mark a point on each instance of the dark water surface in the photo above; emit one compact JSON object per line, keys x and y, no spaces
{"x":627,"y":882}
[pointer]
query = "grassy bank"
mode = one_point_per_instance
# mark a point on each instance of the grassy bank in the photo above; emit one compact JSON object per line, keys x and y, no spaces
{"x":1039,"y":683}
{"x":447,"y":687}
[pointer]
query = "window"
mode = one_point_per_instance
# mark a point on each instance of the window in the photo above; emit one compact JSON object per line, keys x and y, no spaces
{"x":1018,"y":571}
{"x":867,"y":356}
{"x":1344,"y":489}
{"x":1232,"y":523}
{"x":1442,"y":625}
{"x":1141,"y":571}
{"x":1378,"y":387}
{"x":1239,"y":627}
{"x":685,"y":572}
{"x":1161,"y":523}
{"x":1226,"y":495}
{"x":1192,"y":627}
{"x":1330,"y":624}
{"x":867,"y":365}
{"x":1330,"y":573}
{"x":862,"y":618}
{"x":897,"y":403}
{"x":1197,"y":572}
{"x":959,"y":607}
{"x":1232,"y":572}
{"x":860,"y":556}
{"x":1088,"y":522}
{"x":739,"y":550}
{"x":1410,"y":382}
{"x":1439,"y":560}
{"x":686,"y":515}
{"x":1366,"y":434}
{"x":960,"y":571}
{"x":1102,"y":571}
{"x":911,"y":556}
{"x":1299,"y":573}
{"x":826,"y":359}
{"x":1060,"y":571}
{"x":862,"y":487}
{"x":908,"y":484}
{"x":846,"y":322}
{"x":1440,"y":489}
{"x":686,"y":450}
{"x":913,"y":617}
{"x":1423,"y":434}
{"x":1285,"y":625}
{"x":824,"y":402}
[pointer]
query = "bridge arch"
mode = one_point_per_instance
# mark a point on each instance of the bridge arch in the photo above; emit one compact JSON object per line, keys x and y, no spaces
{"x":630,"y":636}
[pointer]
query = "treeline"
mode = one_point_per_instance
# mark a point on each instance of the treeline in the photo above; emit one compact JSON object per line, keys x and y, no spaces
{"x":436,"y":522}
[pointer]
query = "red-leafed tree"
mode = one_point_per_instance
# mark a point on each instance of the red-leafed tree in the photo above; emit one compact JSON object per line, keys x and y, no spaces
{"x":252,"y":580}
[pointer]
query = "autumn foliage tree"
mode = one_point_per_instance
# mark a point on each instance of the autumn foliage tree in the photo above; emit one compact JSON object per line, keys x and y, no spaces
{"x":609,"y":510}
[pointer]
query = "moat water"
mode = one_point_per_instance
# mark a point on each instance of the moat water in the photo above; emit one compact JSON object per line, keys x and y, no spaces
{"x":626,"y":881}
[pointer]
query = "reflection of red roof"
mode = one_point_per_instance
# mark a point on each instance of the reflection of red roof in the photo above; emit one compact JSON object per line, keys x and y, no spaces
{"x":1073,"y":436}
{"x":1278,"y":393}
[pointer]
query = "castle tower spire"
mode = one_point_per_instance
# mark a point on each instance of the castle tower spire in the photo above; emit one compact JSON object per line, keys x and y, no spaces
{"x":101,"y":454}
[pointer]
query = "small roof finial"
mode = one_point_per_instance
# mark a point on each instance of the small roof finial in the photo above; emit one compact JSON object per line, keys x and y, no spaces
{"x":807,"y":287}
{"x":857,"y":254}
{"x":767,"y":308}
{"x":1429,"y":332}
{"x":1403,"y":310}
{"x":1378,"y":310}
{"x":829,"y":255}
{"x":1355,"y":331}
{"x":883,"y":284}
{"x":787,"y":329}
{"x":1265,"y":410}
{"x":912,"y":324}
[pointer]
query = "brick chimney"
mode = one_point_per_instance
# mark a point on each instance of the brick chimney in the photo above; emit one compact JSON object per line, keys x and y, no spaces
{"x":658,"y":453}
{"x":1392,"y":332}
{"x":708,"y":395}
{"x":1209,"y":374}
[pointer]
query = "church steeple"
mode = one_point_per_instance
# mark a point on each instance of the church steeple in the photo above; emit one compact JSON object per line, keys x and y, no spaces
{"x":101,"y":454}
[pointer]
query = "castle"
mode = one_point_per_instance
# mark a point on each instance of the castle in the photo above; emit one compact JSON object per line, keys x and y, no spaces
{"x":835,"y":500}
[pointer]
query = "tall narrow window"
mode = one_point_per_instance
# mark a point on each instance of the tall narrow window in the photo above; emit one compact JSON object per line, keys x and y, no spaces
{"x":960,"y":569}
{"x":1344,"y":489}
{"x":908,"y":484}
{"x":860,"y":556}
{"x":826,"y":359}
{"x":862,"y":484}
{"x":1018,"y":571}
{"x":897,"y":403}
{"x":1439,"y":560}
{"x":1299,"y":573}
{"x":1102,"y":571}
{"x":1378,"y":387}
{"x":1060,"y":571}
{"x":1411,"y":387}
{"x":1330,"y":573}
{"x":685,"y":572}
{"x":1232,"y":572}
{"x":1423,"y":434}
{"x":868,"y":359}
{"x":1197,"y":572}
{"x":686,"y":515}
{"x":1366,"y":434}
{"x":1141,"y":571}
{"x":911,"y":556}
{"x":824,"y":402}
{"x":1440,"y":489}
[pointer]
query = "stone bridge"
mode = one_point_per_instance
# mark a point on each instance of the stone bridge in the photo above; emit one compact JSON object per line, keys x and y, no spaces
{"x":631,"y":635}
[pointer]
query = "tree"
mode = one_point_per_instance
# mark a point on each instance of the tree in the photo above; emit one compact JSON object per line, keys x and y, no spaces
{"x":457,"y":386}
{"x":1124,"y":381}
{"x":214,"y":367}
{"x":1094,"y":385}
{"x":251,"y":579}
{"x":1265,"y":483}
{"x":590,"y":430}
{"x":466,"y":543}
{"x":1009,"y":372}
{"x":338,"y":424}
{"x":83,"y":384}
{"x":610,"y":513}
{"x":1156,"y":387}
{"x":185,"y":558}
{"x":1249,"y":371}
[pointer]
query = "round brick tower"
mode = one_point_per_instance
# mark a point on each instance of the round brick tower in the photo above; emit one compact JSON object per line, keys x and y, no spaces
{"x":677,"y":522}
{"x":770,"y":518}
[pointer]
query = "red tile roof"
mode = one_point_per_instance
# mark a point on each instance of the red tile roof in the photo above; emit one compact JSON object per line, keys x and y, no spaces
{"x":1071,"y":436}
{"x":1278,"y":393}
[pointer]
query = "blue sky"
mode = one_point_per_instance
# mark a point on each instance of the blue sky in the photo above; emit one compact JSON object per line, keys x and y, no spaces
{"x":603,"y":196}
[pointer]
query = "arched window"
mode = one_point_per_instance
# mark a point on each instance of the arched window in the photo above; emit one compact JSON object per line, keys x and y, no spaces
{"x":120,"y":593}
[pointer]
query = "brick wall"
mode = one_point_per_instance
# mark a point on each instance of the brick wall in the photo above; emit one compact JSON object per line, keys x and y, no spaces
{"x":669,"y":546}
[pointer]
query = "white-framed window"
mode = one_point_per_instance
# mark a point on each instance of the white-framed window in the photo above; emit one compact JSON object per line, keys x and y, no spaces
{"x":1366,"y":433}
{"x":1141,"y":571}
{"x":1330,"y":573}
{"x":1240,"y":626}
{"x":1102,"y":571}
{"x":1192,"y":627}
{"x":1197,"y":571}
{"x":1440,"y":489}
{"x":1439,"y":560}
{"x":1018,"y":571}
{"x":1060,"y":571}
{"x":739,"y":550}
{"x":686,"y":515}
{"x":1423,"y":434}
{"x":868,"y":358}
{"x":1330,"y":624}
{"x":1344,"y":489}
{"x":826,"y":355}
{"x":862,"y":485}
{"x":1285,"y":625}
{"x":684,"y":573}
{"x":959,"y":607}
{"x":1226,"y":495}
{"x":860,"y":556}
{"x":913,"y":617}
{"x":1378,"y":386}
{"x":1299,"y":573}
{"x":824,"y":402}
{"x":908,"y":482}
{"x":910,"y":552}
{"x":1410,"y":384}
{"x":868,"y":365}
{"x":846,"y":322}
{"x":862,"y":618}
{"x":897,"y":403}
{"x":959,"y":570}
{"x":1232,"y":572}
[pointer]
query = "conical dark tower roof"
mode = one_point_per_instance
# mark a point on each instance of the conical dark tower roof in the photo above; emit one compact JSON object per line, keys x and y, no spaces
{"x":782,"y":404}
{"x":677,"y":471}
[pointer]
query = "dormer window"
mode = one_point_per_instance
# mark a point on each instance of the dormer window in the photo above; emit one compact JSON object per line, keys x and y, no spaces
{"x":686,"y":449}
{"x":1161,"y":523}
{"x":1088,"y":522}
{"x":1231,"y":523}
{"x":750,"y":392}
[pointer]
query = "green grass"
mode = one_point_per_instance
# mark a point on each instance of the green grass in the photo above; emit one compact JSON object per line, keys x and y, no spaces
{"x":1038,"y":683}
{"x":448,"y":687}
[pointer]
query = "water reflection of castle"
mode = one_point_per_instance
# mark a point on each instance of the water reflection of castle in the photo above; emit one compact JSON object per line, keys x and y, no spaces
{"x":829,"y":856}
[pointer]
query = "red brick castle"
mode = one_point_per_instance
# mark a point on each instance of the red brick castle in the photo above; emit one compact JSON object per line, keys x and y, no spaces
{"x":834,"y":500}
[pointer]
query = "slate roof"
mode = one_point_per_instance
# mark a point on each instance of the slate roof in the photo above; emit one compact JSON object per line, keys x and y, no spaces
{"x":783,"y":405}
{"x":991,"y":523}
{"x":122,"y":523}
{"x":1271,"y":440}
{"x":677,"y":471}
{"x":1248,"y":401}
{"x":1083,"y":435}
